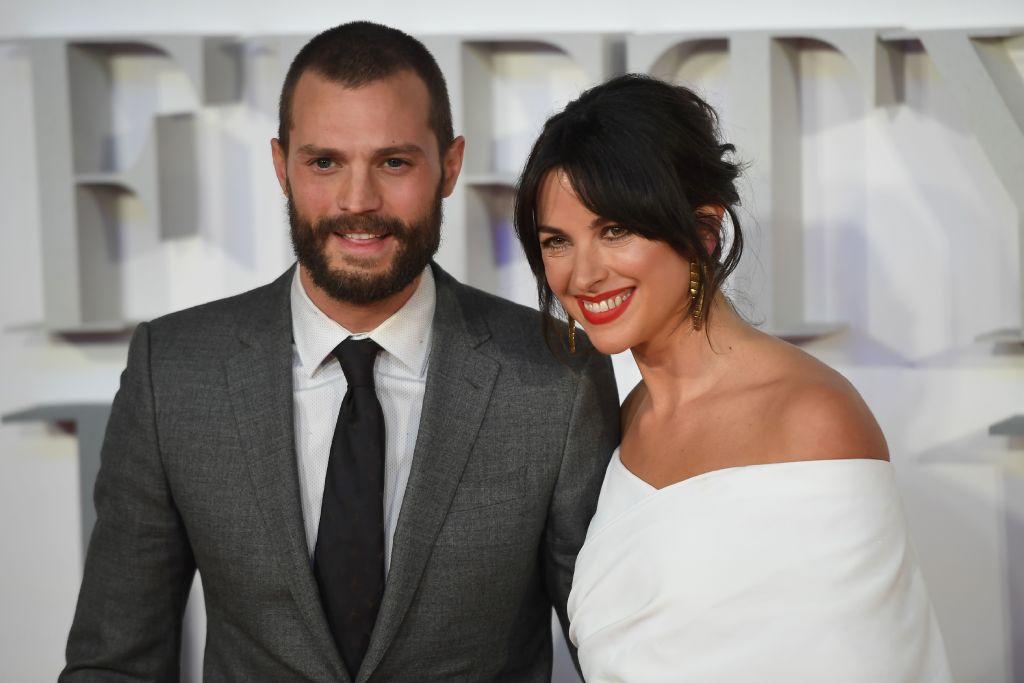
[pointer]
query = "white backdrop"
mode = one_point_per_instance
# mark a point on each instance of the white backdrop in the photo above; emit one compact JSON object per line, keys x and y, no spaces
{"x":66,"y":17}
{"x":910,"y":240}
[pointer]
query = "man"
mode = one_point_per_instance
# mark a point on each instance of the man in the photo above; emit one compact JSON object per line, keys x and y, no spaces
{"x":380,"y":473}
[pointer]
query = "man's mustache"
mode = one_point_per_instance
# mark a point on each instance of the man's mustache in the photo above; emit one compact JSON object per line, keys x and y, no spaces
{"x":368,"y":225}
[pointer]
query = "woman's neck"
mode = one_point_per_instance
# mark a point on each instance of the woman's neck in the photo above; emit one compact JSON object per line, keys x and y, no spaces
{"x":683,"y":363}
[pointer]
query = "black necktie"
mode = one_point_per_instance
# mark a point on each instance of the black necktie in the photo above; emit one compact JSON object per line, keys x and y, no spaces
{"x":349,"y":556}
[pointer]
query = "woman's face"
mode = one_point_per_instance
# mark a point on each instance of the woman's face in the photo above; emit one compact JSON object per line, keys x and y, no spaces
{"x":625,"y":290}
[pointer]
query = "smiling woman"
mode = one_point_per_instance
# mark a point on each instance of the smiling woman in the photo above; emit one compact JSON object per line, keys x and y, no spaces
{"x":657,"y":172}
{"x":737,"y":448}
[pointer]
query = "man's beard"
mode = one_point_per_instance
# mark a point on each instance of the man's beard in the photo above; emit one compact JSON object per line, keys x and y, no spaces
{"x":416,"y":243}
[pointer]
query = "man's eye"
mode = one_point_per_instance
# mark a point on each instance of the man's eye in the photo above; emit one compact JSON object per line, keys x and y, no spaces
{"x":395,"y":163}
{"x":323,"y":163}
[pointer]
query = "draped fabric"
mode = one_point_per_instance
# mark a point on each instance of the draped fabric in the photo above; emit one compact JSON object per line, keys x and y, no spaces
{"x":798,"y":571}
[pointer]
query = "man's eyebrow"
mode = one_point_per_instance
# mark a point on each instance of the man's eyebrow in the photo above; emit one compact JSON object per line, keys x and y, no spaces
{"x":399,"y":149}
{"x":315,"y":151}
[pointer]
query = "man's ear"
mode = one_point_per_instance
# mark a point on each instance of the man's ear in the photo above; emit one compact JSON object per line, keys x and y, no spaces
{"x":451,"y":164}
{"x":280,"y":164}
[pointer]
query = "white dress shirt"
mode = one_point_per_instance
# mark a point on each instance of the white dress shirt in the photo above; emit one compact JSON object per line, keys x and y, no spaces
{"x":319,"y":385}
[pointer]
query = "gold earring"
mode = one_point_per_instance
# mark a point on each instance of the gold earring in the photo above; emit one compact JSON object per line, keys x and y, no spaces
{"x":572,"y":335}
{"x":696,"y":294}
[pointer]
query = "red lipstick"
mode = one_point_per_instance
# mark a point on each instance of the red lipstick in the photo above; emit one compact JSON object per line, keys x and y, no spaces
{"x":600,"y":317}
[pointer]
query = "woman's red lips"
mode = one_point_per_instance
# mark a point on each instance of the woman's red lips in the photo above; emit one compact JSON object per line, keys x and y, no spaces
{"x":603,"y":295}
{"x":605,"y":307}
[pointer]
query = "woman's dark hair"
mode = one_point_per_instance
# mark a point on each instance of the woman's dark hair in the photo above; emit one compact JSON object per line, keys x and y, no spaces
{"x":644,"y":154}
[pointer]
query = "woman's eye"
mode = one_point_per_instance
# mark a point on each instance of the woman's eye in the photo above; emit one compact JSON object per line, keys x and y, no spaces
{"x":553,"y":243}
{"x":616,"y":232}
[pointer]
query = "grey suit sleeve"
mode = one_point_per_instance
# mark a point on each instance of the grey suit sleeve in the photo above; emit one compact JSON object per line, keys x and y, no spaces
{"x":139,"y":566}
{"x":592,"y":436}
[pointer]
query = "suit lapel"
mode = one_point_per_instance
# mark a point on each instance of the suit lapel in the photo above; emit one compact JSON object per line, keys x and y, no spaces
{"x":459,"y":384}
{"x":260,"y":386}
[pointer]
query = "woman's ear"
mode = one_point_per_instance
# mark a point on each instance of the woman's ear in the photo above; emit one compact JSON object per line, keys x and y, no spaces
{"x":709,"y":217}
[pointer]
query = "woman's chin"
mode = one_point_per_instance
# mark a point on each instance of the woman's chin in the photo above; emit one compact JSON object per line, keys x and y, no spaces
{"x":608,"y":345}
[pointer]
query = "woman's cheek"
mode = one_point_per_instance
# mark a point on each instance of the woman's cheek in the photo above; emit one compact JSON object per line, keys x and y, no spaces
{"x":633,"y":258}
{"x":557,"y":276}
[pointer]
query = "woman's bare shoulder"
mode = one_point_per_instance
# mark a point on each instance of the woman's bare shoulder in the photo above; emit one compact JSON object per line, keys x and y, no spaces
{"x":819,"y":415}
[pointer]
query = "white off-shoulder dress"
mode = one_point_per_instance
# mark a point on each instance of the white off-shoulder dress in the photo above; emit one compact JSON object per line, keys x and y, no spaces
{"x":798,"y":571}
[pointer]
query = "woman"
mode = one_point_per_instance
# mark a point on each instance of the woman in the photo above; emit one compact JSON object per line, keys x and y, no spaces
{"x":749,"y":527}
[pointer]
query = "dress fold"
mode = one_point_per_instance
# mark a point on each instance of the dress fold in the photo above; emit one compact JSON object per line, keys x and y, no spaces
{"x":797,"y":571}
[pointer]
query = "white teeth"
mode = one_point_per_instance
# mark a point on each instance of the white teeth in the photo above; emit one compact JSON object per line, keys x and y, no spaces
{"x":359,"y":236}
{"x":606,"y":305}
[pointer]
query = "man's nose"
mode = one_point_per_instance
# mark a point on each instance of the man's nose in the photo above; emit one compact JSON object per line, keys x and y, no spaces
{"x":360,"y":193}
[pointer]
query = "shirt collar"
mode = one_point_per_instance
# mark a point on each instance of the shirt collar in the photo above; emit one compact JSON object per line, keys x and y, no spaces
{"x":405,"y":335}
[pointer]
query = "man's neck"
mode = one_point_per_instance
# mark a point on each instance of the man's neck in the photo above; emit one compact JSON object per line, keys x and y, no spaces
{"x":357,"y":318}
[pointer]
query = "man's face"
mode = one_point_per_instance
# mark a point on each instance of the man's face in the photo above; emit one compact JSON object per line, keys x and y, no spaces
{"x":364,"y":180}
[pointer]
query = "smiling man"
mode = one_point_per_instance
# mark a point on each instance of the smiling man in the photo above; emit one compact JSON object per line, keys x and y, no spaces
{"x":380,"y":473}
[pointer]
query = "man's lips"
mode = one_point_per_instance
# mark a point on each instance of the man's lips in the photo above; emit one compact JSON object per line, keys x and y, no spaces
{"x":605,"y":307}
{"x":361,"y":234}
{"x":364,"y":243}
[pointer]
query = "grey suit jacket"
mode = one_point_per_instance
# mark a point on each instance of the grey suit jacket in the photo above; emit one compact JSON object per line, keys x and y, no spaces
{"x":199,"y":472}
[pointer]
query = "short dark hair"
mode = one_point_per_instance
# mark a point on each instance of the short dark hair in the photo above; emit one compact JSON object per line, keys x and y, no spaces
{"x":644,"y":154}
{"x":362,"y":52}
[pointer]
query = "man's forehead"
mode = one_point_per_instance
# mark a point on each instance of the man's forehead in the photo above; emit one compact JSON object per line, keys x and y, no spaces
{"x":404,"y":85}
{"x":394,"y":110}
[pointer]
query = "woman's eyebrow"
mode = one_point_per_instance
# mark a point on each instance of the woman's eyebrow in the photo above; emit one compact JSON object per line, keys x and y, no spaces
{"x":550,"y":229}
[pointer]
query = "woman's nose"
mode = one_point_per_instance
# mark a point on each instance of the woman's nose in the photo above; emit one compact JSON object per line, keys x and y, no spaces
{"x":589,"y":270}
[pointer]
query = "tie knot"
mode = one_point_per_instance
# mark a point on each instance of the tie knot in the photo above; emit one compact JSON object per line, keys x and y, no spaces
{"x":356,"y":357}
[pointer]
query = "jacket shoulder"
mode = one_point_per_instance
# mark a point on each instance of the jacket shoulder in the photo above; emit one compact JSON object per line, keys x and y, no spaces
{"x":518,"y":331}
{"x":215,"y":321}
